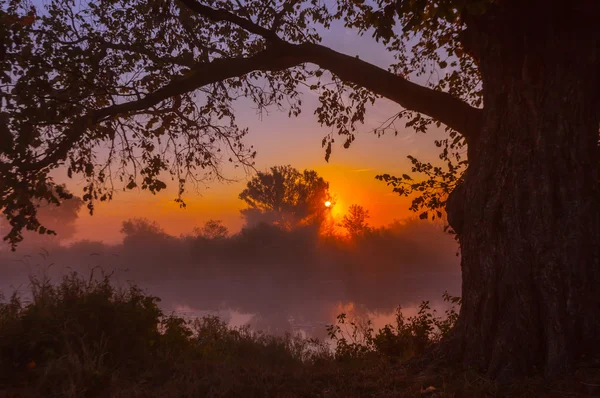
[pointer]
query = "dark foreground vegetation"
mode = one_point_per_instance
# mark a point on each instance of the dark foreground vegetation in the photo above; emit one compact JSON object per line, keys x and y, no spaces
{"x":89,"y":338}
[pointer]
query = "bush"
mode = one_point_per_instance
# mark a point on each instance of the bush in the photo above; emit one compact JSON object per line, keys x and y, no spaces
{"x":79,"y":330}
{"x":405,"y":339}
{"x":85,"y":337}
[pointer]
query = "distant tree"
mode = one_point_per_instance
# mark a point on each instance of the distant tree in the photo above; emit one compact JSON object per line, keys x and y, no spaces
{"x":212,"y":229}
{"x":141,"y":230}
{"x":286,"y":197}
{"x":61,"y":219}
{"x":355,"y":222}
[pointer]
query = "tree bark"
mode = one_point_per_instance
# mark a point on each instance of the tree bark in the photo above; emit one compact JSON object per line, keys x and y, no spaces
{"x":528,"y":212}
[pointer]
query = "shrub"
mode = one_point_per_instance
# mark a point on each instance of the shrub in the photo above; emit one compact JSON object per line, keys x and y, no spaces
{"x":78,"y":329}
{"x":86,"y":337}
{"x":407,"y":338}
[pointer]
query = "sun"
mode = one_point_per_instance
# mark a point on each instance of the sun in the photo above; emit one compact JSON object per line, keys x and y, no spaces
{"x":327,"y":204}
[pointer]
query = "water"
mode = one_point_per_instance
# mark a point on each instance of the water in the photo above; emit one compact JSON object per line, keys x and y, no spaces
{"x":275,"y":298}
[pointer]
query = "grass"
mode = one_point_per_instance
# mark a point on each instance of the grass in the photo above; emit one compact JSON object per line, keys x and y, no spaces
{"x":88,"y":338}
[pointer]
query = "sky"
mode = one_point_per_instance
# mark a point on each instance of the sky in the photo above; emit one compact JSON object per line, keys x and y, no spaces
{"x":280,"y":140}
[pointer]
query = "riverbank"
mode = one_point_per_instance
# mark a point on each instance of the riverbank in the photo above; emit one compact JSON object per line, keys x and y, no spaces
{"x":87,"y":338}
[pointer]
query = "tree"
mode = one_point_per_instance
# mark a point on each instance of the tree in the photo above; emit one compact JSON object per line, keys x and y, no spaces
{"x":355,"y":221}
{"x":212,"y":229}
{"x":142,"y":231}
{"x":518,"y":87}
{"x":286,"y":197}
{"x":61,"y":218}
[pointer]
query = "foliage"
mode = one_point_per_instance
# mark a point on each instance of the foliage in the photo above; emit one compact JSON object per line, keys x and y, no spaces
{"x":355,"y":222}
{"x":212,"y":229}
{"x":426,"y":39}
{"x":80,"y":76}
{"x":86,"y":337}
{"x":77,"y":331}
{"x":142,"y":230}
{"x":286,"y":197}
{"x":154,"y":84}
{"x":62,"y":217}
{"x":76,"y":337}
{"x":431,"y":192}
{"x":57,"y":217}
{"x":407,"y":338}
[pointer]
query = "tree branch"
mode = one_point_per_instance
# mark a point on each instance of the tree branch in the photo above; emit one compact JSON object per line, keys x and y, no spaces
{"x":441,"y":106}
{"x":218,"y":15}
{"x":202,"y":75}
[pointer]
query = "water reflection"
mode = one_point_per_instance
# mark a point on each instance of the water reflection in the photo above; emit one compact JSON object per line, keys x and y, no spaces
{"x":305,"y":309}
{"x":299,"y":307}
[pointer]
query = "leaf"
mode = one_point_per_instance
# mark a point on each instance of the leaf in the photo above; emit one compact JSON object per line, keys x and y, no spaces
{"x":328,"y":151}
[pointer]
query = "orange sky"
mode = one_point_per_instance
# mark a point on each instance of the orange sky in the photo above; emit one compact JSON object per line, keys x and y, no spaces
{"x":280,"y":140}
{"x":351,"y":174}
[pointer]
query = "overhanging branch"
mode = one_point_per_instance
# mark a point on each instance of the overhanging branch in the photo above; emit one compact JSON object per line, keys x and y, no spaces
{"x":441,"y":106}
{"x":202,"y":75}
{"x":218,"y":15}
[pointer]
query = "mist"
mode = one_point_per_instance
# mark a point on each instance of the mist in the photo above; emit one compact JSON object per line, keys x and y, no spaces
{"x":278,"y":280}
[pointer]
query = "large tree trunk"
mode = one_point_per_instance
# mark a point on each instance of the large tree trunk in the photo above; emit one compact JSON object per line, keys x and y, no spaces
{"x":528,"y":212}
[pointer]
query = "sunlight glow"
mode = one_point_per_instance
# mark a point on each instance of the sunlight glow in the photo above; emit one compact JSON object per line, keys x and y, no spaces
{"x":327,"y":204}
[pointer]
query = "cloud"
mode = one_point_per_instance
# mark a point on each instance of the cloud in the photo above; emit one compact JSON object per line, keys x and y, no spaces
{"x":362,"y":170}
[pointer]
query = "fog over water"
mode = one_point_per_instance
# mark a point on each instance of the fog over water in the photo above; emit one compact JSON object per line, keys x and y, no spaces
{"x":275,"y":280}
